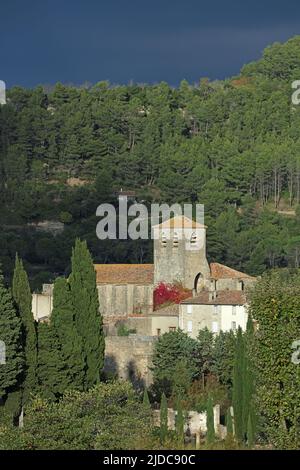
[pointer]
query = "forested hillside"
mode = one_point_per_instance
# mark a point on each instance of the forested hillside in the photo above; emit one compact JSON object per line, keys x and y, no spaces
{"x":233,"y":145}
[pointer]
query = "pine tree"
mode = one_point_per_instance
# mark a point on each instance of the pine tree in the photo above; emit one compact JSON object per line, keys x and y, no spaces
{"x":179,"y":422}
{"x":88,"y":320}
{"x":210,"y":434}
{"x":63,"y":322}
{"x":22,"y":297}
{"x":146,"y":400}
{"x":248,"y":379}
{"x":237,"y":393}
{"x":11,"y":337}
{"x":163,"y":418}
{"x":229,"y":423}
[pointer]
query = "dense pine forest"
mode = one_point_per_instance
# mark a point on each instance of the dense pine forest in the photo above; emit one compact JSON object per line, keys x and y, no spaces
{"x":233,"y":145}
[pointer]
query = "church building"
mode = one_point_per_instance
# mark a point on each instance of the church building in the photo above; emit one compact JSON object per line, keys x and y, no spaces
{"x":126,"y":291}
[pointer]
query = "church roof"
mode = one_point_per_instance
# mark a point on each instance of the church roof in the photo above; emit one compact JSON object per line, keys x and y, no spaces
{"x":180,"y":221}
{"x":124,"y":273}
{"x":222,"y":297}
{"x":220,"y":271}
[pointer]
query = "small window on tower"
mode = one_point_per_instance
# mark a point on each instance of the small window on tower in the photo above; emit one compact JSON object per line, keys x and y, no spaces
{"x":164,"y":240}
{"x":175,"y":240}
{"x":193,"y":239}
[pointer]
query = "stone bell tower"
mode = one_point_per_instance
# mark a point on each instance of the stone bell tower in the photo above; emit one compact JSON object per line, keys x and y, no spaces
{"x":180,"y":253}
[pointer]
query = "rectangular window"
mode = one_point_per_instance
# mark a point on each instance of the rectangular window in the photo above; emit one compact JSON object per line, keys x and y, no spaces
{"x":172,"y":328}
{"x":233,"y":325}
{"x":158,"y":331}
{"x":216,"y":309}
{"x":189,"y":309}
{"x":190,"y":326}
{"x":234,"y":310}
{"x":215,"y":327}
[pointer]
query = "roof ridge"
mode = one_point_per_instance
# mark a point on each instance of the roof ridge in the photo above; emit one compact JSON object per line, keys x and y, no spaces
{"x":229,"y":270}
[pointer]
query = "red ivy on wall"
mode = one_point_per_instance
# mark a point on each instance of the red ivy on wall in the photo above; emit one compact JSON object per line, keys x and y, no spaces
{"x":170,"y":294}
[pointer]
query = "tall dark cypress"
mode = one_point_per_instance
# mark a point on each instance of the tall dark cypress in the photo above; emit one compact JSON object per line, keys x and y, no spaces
{"x":210,"y":434}
{"x":71,"y":347}
{"x":23,"y":299}
{"x":88,"y":319}
{"x":179,"y":422}
{"x":249,"y":419}
{"x":163,"y":418}
{"x":11,"y":343}
{"x":237,"y":393}
{"x":52,"y":370}
{"x":146,"y":400}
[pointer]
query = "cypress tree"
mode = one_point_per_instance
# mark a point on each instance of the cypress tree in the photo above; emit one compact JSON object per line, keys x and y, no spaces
{"x":86,"y":307}
{"x":210,"y":434}
{"x":11,"y":337}
{"x":248,"y":382}
{"x":229,"y":423}
{"x":52,"y":370}
{"x":179,"y":422}
{"x":237,"y":392}
{"x":250,"y":431}
{"x":163,"y":418}
{"x":146,"y":400}
{"x":23,"y":299}
{"x":63,"y":322}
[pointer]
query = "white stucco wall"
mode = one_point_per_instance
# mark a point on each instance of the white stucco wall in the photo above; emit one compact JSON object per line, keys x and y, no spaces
{"x":228,"y":317}
{"x":163,"y":323}
{"x":199,"y":316}
{"x":42,"y":306}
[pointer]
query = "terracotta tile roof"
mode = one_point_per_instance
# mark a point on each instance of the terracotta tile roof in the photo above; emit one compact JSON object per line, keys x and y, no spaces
{"x":124,"y":273}
{"x":223,"y":297}
{"x":180,"y":221}
{"x":169,"y":310}
{"x":220,"y":271}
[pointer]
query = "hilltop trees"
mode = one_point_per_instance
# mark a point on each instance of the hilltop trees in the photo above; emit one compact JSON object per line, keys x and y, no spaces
{"x":228,"y":144}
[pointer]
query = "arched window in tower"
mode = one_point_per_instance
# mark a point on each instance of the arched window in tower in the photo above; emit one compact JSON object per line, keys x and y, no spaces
{"x":175,"y":240}
{"x":163,"y":240}
{"x":193,"y":239}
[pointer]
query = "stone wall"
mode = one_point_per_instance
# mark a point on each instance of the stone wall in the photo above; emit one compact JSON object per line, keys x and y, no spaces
{"x":116,"y":301}
{"x":122,"y":300}
{"x":130,"y":358}
{"x":196,"y":422}
{"x":42,"y":305}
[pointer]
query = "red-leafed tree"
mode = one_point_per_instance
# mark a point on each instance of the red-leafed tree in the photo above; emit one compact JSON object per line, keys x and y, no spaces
{"x":170,"y":294}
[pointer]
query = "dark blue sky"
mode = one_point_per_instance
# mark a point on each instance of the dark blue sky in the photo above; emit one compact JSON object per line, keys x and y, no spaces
{"x":45,"y":41}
